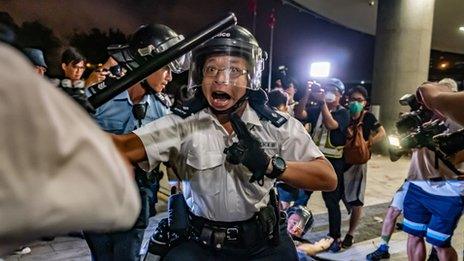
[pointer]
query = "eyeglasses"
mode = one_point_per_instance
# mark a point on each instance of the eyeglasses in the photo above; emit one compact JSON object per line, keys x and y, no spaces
{"x":78,"y":67}
{"x":233,"y":72}
{"x":357,"y":99}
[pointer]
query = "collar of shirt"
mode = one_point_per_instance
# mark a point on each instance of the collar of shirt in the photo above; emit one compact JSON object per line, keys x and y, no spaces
{"x":125,"y":96}
{"x":249,"y":116}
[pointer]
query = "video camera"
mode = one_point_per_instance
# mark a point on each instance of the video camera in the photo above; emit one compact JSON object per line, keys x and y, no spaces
{"x":416,"y":117}
{"x":416,"y":130}
{"x":450,"y":143}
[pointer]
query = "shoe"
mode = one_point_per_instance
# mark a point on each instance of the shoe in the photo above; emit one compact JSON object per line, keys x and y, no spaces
{"x":380,"y":253}
{"x":159,"y":242}
{"x":348,"y":241}
{"x":336,"y":246}
{"x":23,"y":251}
{"x":399,"y":226}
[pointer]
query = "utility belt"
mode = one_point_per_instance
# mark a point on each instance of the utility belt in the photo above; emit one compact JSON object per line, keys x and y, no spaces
{"x":261,"y":229}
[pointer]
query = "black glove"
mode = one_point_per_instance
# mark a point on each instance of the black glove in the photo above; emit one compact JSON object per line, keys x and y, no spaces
{"x":247,"y":151}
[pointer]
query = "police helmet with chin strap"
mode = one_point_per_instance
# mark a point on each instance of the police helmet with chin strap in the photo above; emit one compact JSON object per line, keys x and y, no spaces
{"x":149,"y":40}
{"x":239,"y":42}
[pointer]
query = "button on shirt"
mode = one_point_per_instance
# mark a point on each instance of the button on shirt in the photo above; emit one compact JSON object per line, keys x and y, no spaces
{"x":213,"y":188}
{"x":116,"y":116}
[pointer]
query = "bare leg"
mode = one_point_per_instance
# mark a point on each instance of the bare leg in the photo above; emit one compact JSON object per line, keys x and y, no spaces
{"x":416,"y":248}
{"x":389,"y":223}
{"x":447,"y":253}
{"x":354,"y":219}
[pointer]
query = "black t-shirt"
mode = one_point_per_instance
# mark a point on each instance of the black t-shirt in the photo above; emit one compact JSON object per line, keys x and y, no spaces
{"x":370,"y":124}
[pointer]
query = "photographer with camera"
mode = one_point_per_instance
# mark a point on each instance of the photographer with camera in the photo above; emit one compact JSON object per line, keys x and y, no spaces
{"x":328,"y":125}
{"x":433,"y":203}
{"x":100,"y":73}
{"x":432,"y":206}
{"x":139,"y":105}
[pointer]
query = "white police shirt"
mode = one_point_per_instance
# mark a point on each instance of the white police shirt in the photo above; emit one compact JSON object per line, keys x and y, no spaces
{"x":213,"y":188}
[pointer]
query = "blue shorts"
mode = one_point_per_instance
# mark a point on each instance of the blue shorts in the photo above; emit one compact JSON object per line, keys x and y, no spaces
{"x":431,"y":216}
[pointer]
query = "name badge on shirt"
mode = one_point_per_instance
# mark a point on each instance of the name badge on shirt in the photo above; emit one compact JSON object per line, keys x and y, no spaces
{"x":268,"y":144}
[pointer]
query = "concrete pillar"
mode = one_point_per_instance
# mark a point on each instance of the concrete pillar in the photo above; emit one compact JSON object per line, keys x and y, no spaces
{"x":402,"y":52}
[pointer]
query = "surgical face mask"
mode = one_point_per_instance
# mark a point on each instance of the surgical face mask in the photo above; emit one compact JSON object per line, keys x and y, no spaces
{"x":329,"y":97}
{"x":355,"y":107}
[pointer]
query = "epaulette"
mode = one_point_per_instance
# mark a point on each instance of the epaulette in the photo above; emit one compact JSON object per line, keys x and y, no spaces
{"x":266,"y":112}
{"x":189,"y":107}
{"x":258,"y":101}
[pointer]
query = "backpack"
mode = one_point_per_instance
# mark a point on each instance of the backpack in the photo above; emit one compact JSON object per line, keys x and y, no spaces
{"x":356,"y":150}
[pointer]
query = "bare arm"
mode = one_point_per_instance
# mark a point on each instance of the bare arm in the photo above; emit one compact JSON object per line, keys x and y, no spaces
{"x":317,"y":174}
{"x":329,"y":122}
{"x":439,"y":98}
{"x":130,"y":146}
{"x":300,"y":109}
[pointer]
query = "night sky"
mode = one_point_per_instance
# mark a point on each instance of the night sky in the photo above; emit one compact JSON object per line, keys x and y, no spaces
{"x":299,"y":38}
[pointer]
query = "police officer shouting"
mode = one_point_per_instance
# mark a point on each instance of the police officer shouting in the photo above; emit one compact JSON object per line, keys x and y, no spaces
{"x":229,"y":148}
{"x":140,"y":104}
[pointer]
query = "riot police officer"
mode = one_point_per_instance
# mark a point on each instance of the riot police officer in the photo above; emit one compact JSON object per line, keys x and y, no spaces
{"x":229,"y":147}
{"x":140,"y":104}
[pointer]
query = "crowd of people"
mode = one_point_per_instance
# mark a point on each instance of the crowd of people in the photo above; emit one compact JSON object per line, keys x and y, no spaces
{"x":231,"y":145}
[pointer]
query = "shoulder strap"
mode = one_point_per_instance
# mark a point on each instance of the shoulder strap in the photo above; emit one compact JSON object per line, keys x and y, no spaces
{"x":266,"y":112}
{"x":360,"y":121}
{"x":190,"y":107}
{"x":258,"y":101}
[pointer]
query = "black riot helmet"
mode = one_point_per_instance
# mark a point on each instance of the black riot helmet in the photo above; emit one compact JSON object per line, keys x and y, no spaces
{"x":236,"y":41}
{"x":147,"y":41}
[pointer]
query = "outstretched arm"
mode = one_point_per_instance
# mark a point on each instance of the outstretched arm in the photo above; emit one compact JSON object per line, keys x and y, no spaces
{"x":439,"y":98}
{"x":317,"y":174}
{"x":130,"y":146}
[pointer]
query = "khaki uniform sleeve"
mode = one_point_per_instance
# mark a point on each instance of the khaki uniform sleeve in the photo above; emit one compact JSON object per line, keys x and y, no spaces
{"x":58,"y":171}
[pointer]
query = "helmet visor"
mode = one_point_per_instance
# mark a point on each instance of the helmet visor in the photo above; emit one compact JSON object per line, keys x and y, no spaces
{"x":299,"y":221}
{"x":238,"y":67}
{"x":123,"y":55}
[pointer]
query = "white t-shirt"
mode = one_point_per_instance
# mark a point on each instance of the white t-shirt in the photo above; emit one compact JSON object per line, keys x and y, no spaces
{"x":58,"y":171}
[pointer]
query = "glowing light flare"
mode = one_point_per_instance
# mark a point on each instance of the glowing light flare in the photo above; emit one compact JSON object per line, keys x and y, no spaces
{"x":394,"y":141}
{"x":319,"y":69}
{"x":443,"y":65}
